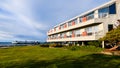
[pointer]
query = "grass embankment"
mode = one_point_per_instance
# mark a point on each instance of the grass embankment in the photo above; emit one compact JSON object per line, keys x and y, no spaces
{"x":37,"y":57}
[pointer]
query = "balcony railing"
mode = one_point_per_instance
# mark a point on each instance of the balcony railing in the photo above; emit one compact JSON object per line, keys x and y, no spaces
{"x":104,"y":17}
{"x":79,"y":37}
{"x":92,"y":21}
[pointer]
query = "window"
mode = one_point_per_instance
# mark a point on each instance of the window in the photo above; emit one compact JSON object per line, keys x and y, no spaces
{"x":89,"y":30}
{"x":77,"y":33}
{"x":61,"y":26}
{"x":90,"y":16}
{"x":75,"y":21}
{"x":86,"y":17}
{"x":80,"y":19}
{"x":112,"y":9}
{"x":65,"y":25}
{"x":110,"y":27}
{"x":96,"y":28}
{"x":70,"y":33}
{"x":69,"y":24}
{"x":103,"y":12}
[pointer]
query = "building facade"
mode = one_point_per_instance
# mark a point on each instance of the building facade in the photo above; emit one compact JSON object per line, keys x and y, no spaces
{"x":89,"y":26}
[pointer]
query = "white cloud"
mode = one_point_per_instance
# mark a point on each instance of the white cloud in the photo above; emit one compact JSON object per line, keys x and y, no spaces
{"x":25,"y":19}
{"x":23,"y":24}
{"x":6,"y":36}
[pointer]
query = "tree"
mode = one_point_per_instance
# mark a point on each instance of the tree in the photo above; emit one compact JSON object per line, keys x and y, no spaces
{"x":112,"y":36}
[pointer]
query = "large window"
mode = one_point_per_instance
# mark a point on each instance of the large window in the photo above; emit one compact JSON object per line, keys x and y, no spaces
{"x":69,"y":24}
{"x":80,"y":19}
{"x":89,"y":30}
{"x":86,"y":17}
{"x":96,"y":28}
{"x":75,"y":21}
{"x":112,"y":9}
{"x":90,"y":16}
{"x":103,"y":12}
{"x":62,"y":26}
{"x":77,"y":33}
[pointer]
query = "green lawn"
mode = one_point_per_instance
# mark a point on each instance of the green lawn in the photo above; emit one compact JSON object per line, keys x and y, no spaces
{"x":38,"y":57}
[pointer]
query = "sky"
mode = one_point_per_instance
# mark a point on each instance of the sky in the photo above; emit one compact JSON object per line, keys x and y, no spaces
{"x":31,"y":19}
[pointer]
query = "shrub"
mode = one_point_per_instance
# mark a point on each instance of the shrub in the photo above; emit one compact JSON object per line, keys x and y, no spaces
{"x":94,"y":43}
{"x":55,"y":45}
{"x":44,"y":45}
{"x":51,"y":45}
{"x":84,"y":48}
{"x":74,"y":48}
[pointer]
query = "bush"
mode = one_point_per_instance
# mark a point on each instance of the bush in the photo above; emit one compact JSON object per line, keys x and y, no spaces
{"x":74,"y":48}
{"x":91,"y":48}
{"x":55,"y":45}
{"x":94,"y":43}
{"x":44,"y":45}
{"x":51,"y":45}
{"x":84,"y":48}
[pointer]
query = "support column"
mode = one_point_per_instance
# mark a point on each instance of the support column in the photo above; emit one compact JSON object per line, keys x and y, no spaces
{"x":78,"y":20}
{"x":118,"y":8}
{"x":83,"y":44}
{"x":103,"y":44}
{"x":73,"y":43}
{"x":96,"y":14}
{"x":78,"y":44}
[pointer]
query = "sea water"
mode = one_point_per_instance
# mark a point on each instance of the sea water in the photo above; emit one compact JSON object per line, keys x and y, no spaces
{"x":6,"y":43}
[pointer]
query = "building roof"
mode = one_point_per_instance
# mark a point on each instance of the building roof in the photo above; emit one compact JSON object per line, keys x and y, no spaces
{"x":101,"y":6}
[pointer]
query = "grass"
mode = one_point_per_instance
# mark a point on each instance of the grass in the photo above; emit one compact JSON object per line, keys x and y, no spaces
{"x":37,"y":57}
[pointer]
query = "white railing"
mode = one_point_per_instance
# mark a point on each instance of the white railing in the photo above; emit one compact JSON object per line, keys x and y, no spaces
{"x":93,"y":36}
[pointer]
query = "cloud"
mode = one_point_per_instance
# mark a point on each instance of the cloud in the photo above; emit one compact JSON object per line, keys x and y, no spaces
{"x":21,"y":22}
{"x":30,"y":19}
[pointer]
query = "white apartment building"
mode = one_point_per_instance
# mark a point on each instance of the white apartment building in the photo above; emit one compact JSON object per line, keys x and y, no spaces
{"x":89,"y":26}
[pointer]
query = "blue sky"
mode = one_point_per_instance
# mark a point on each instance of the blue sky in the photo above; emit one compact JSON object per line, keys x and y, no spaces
{"x":31,"y":19}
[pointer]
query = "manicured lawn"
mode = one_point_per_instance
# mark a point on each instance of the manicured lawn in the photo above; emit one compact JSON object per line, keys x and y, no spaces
{"x":38,"y":57}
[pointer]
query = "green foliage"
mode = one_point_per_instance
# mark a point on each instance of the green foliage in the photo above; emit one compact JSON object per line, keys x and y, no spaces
{"x":85,"y":48}
{"x":94,"y":43}
{"x":112,"y":36}
{"x":44,"y":45}
{"x":51,"y":45}
{"x":74,"y":48}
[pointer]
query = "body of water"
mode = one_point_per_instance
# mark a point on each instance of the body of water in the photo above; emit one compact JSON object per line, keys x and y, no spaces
{"x":10,"y":44}
{"x":6,"y":43}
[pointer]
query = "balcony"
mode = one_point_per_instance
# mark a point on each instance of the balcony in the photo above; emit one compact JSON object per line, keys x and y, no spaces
{"x":89,"y":37}
{"x":111,"y":18}
{"x":83,"y":24}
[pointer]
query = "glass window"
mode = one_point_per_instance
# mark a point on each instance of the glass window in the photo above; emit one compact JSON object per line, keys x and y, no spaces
{"x":75,"y":21}
{"x":80,"y":19}
{"x":77,"y":32}
{"x":103,"y":12}
{"x":70,"y":32}
{"x":89,"y":30}
{"x":61,"y":26}
{"x":90,"y":16}
{"x":69,"y":24}
{"x":96,"y":28}
{"x":112,"y":9}
{"x":86,"y":17}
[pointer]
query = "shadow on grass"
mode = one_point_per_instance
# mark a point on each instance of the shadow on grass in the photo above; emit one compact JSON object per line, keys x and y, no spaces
{"x":89,"y":61}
